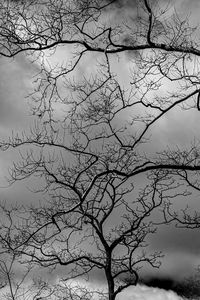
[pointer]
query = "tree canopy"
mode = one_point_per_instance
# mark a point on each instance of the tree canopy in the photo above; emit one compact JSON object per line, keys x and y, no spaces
{"x":109,"y":73}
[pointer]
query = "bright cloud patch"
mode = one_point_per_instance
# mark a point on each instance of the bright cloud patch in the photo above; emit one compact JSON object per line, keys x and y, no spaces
{"x":147,"y":293}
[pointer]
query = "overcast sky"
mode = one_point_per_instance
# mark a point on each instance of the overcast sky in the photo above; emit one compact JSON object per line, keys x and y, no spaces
{"x":182,"y":247}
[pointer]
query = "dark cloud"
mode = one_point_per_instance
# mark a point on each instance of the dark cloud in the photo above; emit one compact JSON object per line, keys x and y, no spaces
{"x":162,"y":282}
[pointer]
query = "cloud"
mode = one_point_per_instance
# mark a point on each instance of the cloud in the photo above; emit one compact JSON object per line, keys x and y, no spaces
{"x":127,"y":4}
{"x":181,"y":252}
{"x":141,"y":292}
{"x":15,"y":83}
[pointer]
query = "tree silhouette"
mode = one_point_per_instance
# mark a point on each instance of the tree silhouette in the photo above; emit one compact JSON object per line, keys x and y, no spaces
{"x":90,"y":147}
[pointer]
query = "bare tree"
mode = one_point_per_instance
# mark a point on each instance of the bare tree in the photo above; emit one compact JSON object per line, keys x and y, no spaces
{"x":90,"y":146}
{"x":15,"y":281}
{"x":18,"y":282}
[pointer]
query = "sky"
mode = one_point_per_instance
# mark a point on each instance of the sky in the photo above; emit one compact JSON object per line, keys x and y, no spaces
{"x":182,"y":247}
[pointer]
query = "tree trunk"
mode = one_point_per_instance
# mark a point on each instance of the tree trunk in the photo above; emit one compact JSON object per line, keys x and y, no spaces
{"x":111,"y":285}
{"x":111,"y":294}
